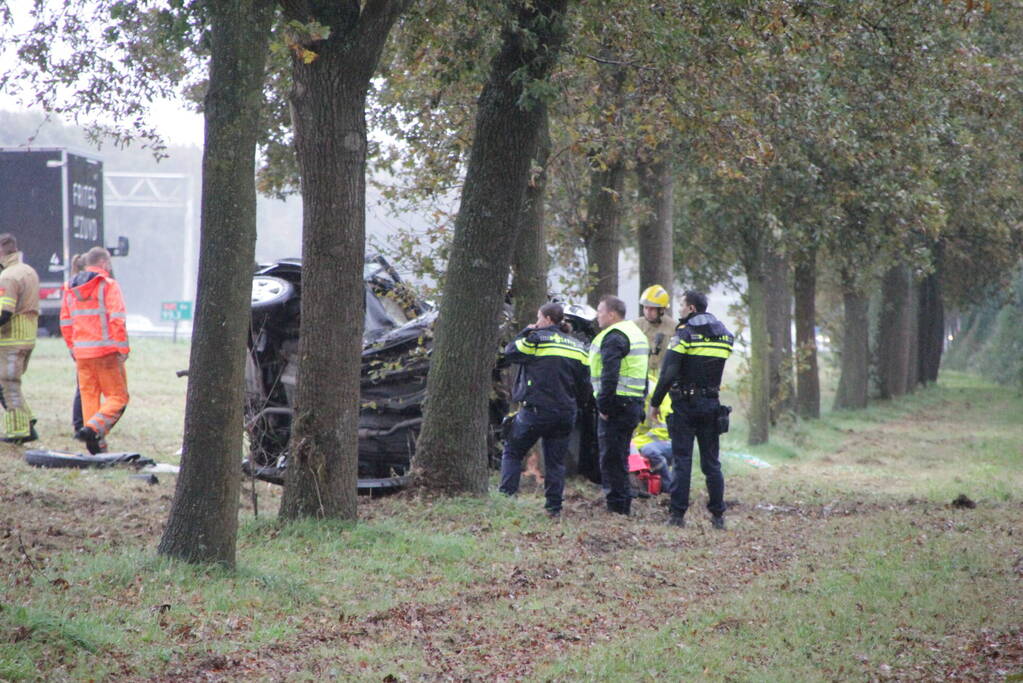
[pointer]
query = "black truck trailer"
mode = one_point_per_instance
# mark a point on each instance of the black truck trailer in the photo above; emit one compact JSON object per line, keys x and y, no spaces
{"x":51,"y":200}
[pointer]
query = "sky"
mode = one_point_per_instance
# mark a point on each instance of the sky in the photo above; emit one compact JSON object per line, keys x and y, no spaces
{"x":173,"y":119}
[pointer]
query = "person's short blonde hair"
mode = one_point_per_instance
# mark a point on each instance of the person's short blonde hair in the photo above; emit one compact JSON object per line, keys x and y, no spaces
{"x":97,"y":256}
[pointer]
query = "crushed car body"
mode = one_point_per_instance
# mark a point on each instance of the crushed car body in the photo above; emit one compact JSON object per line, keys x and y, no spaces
{"x":397,"y":340}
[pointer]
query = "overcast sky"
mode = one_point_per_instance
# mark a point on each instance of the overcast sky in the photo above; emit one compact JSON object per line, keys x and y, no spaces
{"x":175,"y":122}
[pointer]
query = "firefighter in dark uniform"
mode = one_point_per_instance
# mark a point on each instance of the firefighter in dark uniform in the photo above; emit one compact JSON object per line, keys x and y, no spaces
{"x":553,"y":381}
{"x":618,"y":371}
{"x":691,"y":372}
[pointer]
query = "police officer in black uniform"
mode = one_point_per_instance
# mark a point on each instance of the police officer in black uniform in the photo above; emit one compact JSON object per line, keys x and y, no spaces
{"x":691,"y":371}
{"x":553,"y":381}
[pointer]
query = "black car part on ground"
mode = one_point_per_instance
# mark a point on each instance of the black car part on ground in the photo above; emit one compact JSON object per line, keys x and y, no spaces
{"x":62,"y":459}
{"x":397,"y":338}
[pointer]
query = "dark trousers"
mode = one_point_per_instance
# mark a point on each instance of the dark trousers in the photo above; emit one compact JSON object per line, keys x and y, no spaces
{"x":529,"y":426}
{"x":613,"y":435}
{"x":695,"y":418}
{"x":77,"y":421}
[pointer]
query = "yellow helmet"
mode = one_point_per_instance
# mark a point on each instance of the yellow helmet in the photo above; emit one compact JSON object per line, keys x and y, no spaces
{"x":655,"y":296}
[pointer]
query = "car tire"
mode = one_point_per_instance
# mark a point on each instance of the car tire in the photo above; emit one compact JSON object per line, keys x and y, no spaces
{"x":270,"y":294}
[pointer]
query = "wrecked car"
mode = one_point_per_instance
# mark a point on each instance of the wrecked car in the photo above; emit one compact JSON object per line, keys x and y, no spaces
{"x":397,"y":340}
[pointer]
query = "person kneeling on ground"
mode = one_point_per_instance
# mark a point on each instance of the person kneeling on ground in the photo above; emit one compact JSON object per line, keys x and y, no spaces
{"x":651,"y":440}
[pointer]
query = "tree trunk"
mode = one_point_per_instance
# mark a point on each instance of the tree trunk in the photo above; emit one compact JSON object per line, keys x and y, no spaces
{"x":931,"y":329}
{"x":603,"y":229}
{"x":760,"y":392}
{"x":203,"y":521}
{"x":913,"y":340}
{"x":893,"y":335}
{"x":328,"y":113}
{"x":854,"y":379}
{"x":779,"y":330}
{"x":808,"y":388}
{"x":451,"y":452}
{"x":655,"y":236}
{"x":529,"y":268}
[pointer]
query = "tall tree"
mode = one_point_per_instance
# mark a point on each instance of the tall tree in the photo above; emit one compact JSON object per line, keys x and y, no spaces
{"x":203,"y":521}
{"x":808,"y":390}
{"x":654,"y":238}
{"x":336,"y":47}
{"x":603,"y":228}
{"x":451,"y":452}
{"x":529,"y":265}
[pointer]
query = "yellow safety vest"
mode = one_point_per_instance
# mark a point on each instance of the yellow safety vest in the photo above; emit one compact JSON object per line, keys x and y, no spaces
{"x":632,"y":375}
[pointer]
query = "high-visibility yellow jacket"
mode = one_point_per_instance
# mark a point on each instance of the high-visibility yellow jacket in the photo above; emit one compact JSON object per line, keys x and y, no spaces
{"x":633,"y":369}
{"x":19,"y":295}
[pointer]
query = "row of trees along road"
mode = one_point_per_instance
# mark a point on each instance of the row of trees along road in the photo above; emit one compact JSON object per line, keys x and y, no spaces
{"x":858,"y":155}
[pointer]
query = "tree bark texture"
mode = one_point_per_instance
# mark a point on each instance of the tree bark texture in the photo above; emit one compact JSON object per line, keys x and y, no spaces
{"x":854,"y":380}
{"x":931,"y":328}
{"x":808,"y":388}
{"x":451,"y":452}
{"x":604,"y":229}
{"x":203,"y":522}
{"x":328,"y":102}
{"x":760,"y":377}
{"x":894,"y":332}
{"x":913,"y":362}
{"x":529,"y":267}
{"x":655,"y":235}
{"x":779,"y":329}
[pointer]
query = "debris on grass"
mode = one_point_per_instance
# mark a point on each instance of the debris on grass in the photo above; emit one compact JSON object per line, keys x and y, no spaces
{"x":963,"y":502}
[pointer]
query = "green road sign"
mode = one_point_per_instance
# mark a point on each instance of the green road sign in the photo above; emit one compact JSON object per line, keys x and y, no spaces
{"x":176,"y":310}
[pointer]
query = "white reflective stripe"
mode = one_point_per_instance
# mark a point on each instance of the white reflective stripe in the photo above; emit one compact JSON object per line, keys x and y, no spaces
{"x":117,"y":315}
{"x":101,"y":342}
{"x":66,"y":323}
{"x":86,"y":311}
{"x":101,"y":296}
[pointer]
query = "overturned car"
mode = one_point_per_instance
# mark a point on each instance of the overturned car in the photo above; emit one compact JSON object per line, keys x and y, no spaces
{"x":397,"y":340}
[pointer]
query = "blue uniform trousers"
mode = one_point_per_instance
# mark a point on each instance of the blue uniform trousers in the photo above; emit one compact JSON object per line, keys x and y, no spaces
{"x":695,"y":418}
{"x":529,"y":426}
{"x":613,"y":436}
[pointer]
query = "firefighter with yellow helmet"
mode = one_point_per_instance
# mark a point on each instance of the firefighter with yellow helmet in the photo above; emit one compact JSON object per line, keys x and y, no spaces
{"x":655,"y":324}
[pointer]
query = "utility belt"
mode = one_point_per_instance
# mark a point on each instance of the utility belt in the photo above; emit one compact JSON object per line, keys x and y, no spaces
{"x":690,"y":391}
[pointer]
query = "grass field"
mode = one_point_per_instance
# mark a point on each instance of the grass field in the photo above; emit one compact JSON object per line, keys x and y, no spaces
{"x":845,"y":560}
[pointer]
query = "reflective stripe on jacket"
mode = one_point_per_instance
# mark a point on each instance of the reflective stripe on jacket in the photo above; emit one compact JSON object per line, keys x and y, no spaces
{"x":553,"y":377}
{"x":633,"y":371}
{"x":19,"y":294}
{"x":96,"y":313}
{"x":648,"y":432}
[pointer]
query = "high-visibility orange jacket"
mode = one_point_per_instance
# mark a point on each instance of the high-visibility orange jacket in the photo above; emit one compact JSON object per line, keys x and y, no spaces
{"x":92,"y":315}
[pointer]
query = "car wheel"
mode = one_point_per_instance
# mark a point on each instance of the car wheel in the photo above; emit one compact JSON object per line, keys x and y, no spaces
{"x":270,"y":293}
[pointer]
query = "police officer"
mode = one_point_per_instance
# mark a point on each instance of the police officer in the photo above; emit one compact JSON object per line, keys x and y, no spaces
{"x":692,"y":371}
{"x":19,"y":322}
{"x":618,"y":370}
{"x":552,"y":382}
{"x":657,"y":326}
